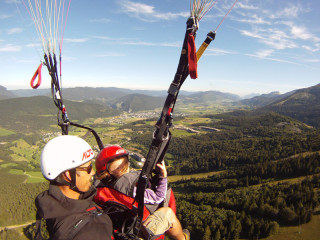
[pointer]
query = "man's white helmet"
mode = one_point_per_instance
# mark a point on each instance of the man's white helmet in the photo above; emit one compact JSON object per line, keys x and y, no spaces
{"x":64,"y":153}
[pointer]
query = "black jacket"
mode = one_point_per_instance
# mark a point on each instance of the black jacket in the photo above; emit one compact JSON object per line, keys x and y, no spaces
{"x":78,"y":219}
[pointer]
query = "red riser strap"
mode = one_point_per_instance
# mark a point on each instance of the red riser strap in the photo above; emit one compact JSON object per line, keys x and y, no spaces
{"x":36,"y":74}
{"x":192,"y":57}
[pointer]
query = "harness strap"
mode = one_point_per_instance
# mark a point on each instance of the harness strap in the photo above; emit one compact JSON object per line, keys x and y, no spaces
{"x":99,"y":142}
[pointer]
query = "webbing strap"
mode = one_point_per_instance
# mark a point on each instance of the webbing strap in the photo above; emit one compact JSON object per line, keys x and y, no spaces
{"x":99,"y":142}
{"x":162,"y":134}
{"x":210,"y":36}
{"x":78,"y":226}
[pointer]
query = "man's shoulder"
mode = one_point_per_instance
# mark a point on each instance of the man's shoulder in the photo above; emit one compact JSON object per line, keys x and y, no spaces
{"x":42,"y":196}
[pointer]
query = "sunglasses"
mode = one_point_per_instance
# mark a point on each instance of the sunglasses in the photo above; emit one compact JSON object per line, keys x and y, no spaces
{"x":87,"y":169}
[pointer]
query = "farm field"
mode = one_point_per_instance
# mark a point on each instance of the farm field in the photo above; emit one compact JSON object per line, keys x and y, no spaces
{"x":309,"y":231}
{"x":193,"y":176}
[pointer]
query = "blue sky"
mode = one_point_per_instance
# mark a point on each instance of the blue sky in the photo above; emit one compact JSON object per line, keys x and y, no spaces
{"x":262,"y":46}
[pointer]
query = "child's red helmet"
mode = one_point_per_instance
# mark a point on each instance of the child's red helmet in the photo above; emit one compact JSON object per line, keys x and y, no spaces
{"x":108,"y":154}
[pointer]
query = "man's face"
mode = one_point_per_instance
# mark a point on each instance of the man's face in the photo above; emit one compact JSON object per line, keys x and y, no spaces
{"x":84,"y":179}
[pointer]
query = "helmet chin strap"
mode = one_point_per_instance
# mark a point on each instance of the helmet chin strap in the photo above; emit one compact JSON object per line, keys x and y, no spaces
{"x":73,"y":182}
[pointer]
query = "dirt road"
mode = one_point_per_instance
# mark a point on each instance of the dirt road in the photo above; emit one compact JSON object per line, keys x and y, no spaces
{"x":16,"y":226}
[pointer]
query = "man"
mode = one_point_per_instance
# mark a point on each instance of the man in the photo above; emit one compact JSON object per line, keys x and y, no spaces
{"x":67,"y":206}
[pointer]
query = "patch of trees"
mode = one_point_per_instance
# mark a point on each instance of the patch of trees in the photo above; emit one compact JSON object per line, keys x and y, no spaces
{"x":214,"y":151}
{"x":253,"y":174}
{"x":32,"y":139}
{"x":30,"y":231}
{"x":5,"y":152}
{"x":17,"y":201}
{"x":253,"y":212}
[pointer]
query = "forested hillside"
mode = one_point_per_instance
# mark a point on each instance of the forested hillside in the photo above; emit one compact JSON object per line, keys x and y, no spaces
{"x":266,"y":165}
{"x":137,"y":102}
{"x":264,"y":99}
{"x":17,"y":199}
{"x":303,"y":105}
{"x":241,"y":140}
{"x":33,"y":114}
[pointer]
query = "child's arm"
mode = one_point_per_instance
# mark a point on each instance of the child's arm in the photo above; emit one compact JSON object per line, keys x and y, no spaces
{"x":157,"y":196}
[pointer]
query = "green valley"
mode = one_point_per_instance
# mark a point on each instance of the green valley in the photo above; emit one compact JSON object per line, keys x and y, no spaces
{"x":236,"y":174}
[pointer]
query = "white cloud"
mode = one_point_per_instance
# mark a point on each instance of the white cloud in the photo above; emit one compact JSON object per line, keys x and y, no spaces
{"x":10,"y":48}
{"x":169,"y":15}
{"x":76,"y":40}
{"x":274,"y":38}
{"x":288,"y":12}
{"x":245,"y":6}
{"x":12,"y":1}
{"x":110,"y":55}
{"x":103,"y":37}
{"x":141,"y":43}
{"x":101,"y":20}
{"x":258,"y":55}
{"x":14,"y":31}
{"x":313,"y":60}
{"x":316,"y":48}
{"x":5,"y":16}
{"x":285,"y":28}
{"x":264,"y":53}
{"x":107,"y":38}
{"x":253,"y":34}
{"x":35,"y":45}
{"x":130,"y":41}
{"x":147,"y":12}
{"x":278,"y":39}
{"x":253,"y":19}
{"x":138,"y":43}
{"x":302,"y":33}
{"x":218,"y":52}
{"x":139,"y":8}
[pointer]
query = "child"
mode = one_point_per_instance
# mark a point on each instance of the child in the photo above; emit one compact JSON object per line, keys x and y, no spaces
{"x":118,"y":184}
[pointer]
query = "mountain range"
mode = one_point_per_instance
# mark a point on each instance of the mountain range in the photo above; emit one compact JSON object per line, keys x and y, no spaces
{"x":121,"y":98}
{"x":40,"y":113}
{"x":301,"y":104}
{"x":4,"y":93}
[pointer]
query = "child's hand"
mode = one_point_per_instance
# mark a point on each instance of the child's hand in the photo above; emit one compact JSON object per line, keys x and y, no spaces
{"x":163,"y":170}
